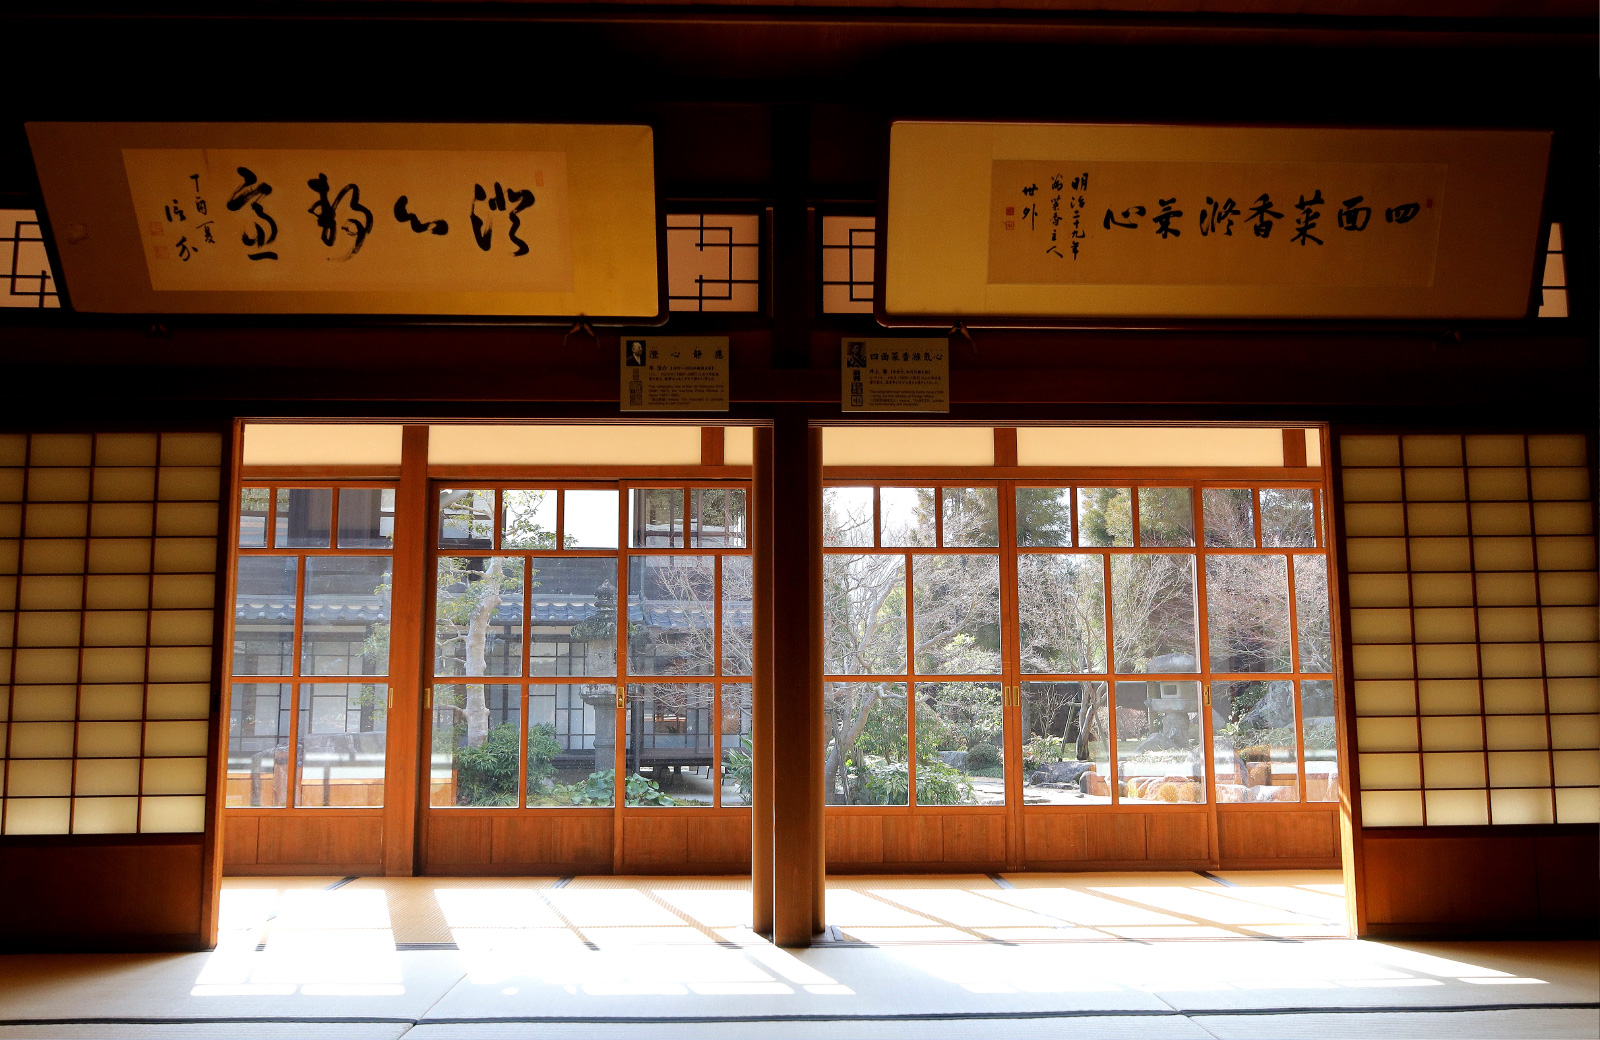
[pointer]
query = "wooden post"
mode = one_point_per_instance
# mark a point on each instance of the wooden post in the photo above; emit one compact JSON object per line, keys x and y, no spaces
{"x":761,"y":723}
{"x":405,"y":762}
{"x":797,"y":696}
{"x":813,"y":628}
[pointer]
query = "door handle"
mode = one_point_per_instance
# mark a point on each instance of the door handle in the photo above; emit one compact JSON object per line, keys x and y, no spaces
{"x":622,"y":701}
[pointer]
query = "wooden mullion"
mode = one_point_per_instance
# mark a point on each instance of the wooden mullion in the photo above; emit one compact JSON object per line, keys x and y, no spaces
{"x":1114,"y":780}
{"x":1202,"y":655}
{"x":621,"y":705}
{"x":293,"y":797}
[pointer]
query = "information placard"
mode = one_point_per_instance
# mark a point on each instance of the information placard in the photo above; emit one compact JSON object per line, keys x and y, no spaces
{"x":894,"y":375}
{"x":674,"y":373}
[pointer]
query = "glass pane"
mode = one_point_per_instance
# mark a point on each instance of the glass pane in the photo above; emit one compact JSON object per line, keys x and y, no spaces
{"x":366,"y":518}
{"x":572,"y":744}
{"x":1247,"y":611}
{"x":1166,"y":516}
{"x":1044,"y":516}
{"x":1061,"y":606}
{"x":738,"y":619}
{"x":971,"y":516}
{"x":1105,"y":516}
{"x":737,"y":749}
{"x":1230,"y":517}
{"x":1153,"y":613}
{"x":572,"y":624}
{"x":956,"y":604}
{"x":905,"y":516}
{"x":864,"y":614}
{"x":477,"y":736}
{"x":669,"y":744}
{"x":346,"y":630}
{"x":477,"y":623}
{"x":1288,"y":517}
{"x":671,"y":615}
{"x":254,"y":505}
{"x":1311,"y":613}
{"x":258,"y":744}
{"x":1159,"y":756}
{"x":305,"y":517}
{"x":1320,"y":738}
{"x":960,"y":744}
{"x":1253,"y":742}
{"x":466,"y":519}
{"x":1066,"y":743}
{"x":527,"y":518}
{"x":655,"y":518}
{"x":847,"y":516}
{"x":343,"y":733}
{"x":717,"y":518}
{"x":589,"y":519}
{"x":864,"y":744}
{"x":263,"y":616}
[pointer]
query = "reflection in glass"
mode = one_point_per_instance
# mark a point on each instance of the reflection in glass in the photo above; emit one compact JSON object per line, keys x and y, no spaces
{"x":1253,"y":741}
{"x":1066,"y":743}
{"x":1311,"y":613}
{"x":1061,"y":608}
{"x":346,"y":629}
{"x":1166,"y":516}
{"x":263,"y":616}
{"x":864,"y":744}
{"x":255,"y":504}
{"x":477,"y":745}
{"x":905,"y":516}
{"x":1159,"y":753}
{"x":738,"y":619}
{"x":1230,"y":517}
{"x":477,"y":621}
{"x":1247,"y":613}
{"x":717,"y":518}
{"x":1044,"y":516}
{"x":737,"y":749}
{"x":572,"y":615}
{"x":305,"y":518}
{"x":366,"y":518}
{"x":960,"y":744}
{"x":1319,"y":735}
{"x":956,"y":604}
{"x":589,"y":519}
{"x":1153,"y":623}
{"x":572,"y":744}
{"x":1288,"y":517}
{"x":466,"y":519}
{"x":258,"y":744}
{"x":655,"y":518}
{"x":340,"y":747}
{"x":847,"y":516}
{"x":669,"y":744}
{"x":527,"y":518}
{"x":864,"y":614}
{"x":671,"y":615}
{"x":1105,"y":516}
{"x":971,"y":516}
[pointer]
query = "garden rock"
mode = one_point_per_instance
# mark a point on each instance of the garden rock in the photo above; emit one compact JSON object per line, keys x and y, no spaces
{"x":954,"y":759}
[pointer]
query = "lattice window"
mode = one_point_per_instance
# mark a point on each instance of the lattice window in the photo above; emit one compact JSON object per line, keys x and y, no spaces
{"x":713,"y":262}
{"x":849,"y":253}
{"x":24,"y":266}
{"x":1553,"y":292}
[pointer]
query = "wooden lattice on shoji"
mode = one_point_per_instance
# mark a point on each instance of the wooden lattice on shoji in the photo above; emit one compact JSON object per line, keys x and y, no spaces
{"x":107,"y":596}
{"x":1473,"y":620}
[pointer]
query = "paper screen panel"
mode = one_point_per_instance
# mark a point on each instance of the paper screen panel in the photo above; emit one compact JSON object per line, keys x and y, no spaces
{"x":99,"y":740}
{"x":1473,"y":625}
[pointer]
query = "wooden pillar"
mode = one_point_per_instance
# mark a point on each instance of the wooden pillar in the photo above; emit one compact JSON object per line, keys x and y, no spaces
{"x":797,"y":693}
{"x":405,"y":763}
{"x":815,"y":780}
{"x":761,"y":803}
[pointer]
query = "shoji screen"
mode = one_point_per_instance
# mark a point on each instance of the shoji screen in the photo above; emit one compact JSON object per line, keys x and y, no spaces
{"x":108,"y":559}
{"x":1471,"y":564}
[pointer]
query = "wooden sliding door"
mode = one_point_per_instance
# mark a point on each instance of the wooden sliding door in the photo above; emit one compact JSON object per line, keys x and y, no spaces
{"x":1123,"y":672}
{"x":590,"y":697}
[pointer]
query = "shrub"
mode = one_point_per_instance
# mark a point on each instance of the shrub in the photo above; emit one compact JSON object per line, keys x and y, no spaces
{"x":983,"y":756}
{"x":487,"y":774}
